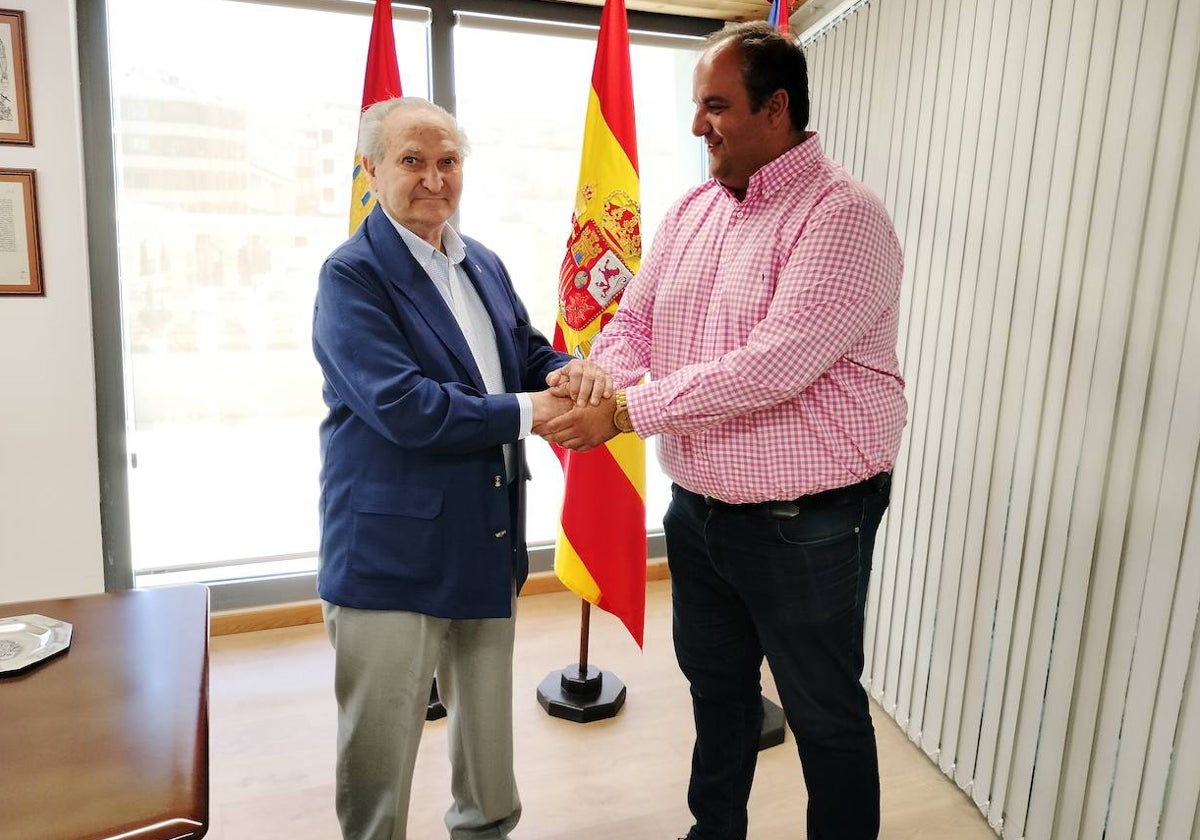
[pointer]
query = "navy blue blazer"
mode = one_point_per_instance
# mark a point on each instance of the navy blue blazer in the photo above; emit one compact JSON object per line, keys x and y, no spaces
{"x":416,"y":510}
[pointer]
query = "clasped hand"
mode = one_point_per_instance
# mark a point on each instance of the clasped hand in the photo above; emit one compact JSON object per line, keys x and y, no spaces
{"x":576,"y":410}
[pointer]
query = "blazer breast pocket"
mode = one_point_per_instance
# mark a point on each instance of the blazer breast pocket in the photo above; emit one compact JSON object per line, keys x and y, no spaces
{"x":521,"y":335}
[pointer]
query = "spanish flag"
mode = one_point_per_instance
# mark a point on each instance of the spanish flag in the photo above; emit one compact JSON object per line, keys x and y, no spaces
{"x":382,"y":82}
{"x":778,"y":16}
{"x":601,"y":551}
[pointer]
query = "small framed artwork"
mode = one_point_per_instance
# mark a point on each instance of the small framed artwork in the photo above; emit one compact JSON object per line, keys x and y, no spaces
{"x":15,"y":126}
{"x":20,"y":247}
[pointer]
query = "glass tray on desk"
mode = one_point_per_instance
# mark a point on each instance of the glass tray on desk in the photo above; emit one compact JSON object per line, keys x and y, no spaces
{"x":26,"y":640}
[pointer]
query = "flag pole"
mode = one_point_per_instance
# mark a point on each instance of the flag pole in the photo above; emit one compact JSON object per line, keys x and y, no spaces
{"x":582,"y":692}
{"x":585,"y":626}
{"x":603,"y":560}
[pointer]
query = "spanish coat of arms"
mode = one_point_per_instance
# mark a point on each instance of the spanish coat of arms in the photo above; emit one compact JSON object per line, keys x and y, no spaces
{"x":593,"y":272}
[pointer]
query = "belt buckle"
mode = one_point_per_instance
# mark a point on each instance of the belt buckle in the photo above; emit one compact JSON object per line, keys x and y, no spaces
{"x":782,"y":511}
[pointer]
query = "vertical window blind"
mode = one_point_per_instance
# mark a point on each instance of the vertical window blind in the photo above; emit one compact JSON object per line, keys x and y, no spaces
{"x":1033,"y":610}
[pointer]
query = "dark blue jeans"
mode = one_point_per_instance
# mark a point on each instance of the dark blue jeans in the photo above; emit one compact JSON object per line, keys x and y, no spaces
{"x":788,"y":581}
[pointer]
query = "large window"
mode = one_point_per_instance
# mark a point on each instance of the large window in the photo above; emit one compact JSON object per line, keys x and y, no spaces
{"x":233,"y":150}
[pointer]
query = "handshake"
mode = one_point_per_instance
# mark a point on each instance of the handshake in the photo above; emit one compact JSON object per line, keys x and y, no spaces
{"x":576,"y":410}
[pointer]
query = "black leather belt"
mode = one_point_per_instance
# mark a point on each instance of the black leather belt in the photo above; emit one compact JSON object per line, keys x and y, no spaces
{"x":878,"y":483}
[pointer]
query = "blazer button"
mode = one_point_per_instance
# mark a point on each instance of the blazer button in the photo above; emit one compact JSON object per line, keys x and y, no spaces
{"x":500,"y":534}
{"x":496,"y":480}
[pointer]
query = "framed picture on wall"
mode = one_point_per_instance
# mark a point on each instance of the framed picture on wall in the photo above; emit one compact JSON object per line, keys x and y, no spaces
{"x":15,"y":126}
{"x":20,"y":248}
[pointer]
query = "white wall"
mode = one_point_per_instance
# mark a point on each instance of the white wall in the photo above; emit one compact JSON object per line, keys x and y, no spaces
{"x":49,"y":483}
{"x":1033,"y":615}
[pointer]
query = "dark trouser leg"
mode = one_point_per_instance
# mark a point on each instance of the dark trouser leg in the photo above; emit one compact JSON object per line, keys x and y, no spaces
{"x":719,"y":653}
{"x":804,"y":580}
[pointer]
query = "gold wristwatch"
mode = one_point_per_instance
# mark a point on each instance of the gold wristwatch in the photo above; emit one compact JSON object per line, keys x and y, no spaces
{"x":621,"y":413}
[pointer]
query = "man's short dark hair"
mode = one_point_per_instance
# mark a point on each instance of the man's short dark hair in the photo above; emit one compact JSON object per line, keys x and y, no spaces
{"x":771,"y":61}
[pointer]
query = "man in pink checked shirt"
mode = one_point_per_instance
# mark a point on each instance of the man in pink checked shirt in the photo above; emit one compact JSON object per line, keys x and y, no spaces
{"x":766,"y":316}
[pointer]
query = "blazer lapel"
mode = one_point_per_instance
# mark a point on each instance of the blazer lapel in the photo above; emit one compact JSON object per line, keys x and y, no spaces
{"x":401,"y":268}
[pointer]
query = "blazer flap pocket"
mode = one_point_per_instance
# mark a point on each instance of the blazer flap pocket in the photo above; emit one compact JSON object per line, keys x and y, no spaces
{"x":395,"y":500}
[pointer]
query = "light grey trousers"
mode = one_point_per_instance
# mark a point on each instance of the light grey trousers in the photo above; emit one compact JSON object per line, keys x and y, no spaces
{"x":384,"y":664}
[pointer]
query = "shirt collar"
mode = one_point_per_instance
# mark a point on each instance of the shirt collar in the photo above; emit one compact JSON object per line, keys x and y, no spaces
{"x":423,"y":252}
{"x":787,"y":168}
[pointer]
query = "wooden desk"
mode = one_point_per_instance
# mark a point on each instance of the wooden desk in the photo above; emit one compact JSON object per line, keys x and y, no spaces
{"x":110,"y":739}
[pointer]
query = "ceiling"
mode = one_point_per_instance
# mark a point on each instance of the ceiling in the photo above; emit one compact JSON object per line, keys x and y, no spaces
{"x":804,"y":13}
{"x":735,"y":10}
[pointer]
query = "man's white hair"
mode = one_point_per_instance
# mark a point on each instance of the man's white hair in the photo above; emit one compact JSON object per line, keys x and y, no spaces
{"x":372,"y":142}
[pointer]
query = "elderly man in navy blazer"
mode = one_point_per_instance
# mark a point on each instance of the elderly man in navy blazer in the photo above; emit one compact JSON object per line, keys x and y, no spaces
{"x":433,"y":375}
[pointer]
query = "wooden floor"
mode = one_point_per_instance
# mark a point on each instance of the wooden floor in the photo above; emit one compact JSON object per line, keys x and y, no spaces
{"x":272,"y":725}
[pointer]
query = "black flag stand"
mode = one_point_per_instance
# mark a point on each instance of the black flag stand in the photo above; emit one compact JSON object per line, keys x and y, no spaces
{"x":772,"y":725}
{"x":582,"y":692}
{"x":435,"y":710}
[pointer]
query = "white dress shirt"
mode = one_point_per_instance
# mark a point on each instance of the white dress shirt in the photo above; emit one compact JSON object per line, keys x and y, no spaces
{"x":457,"y":290}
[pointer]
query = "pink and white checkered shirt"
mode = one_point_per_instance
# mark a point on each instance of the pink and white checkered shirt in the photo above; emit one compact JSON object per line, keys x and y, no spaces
{"x":768,"y":327}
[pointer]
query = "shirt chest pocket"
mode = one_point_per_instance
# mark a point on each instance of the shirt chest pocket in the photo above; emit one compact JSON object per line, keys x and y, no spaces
{"x":740,"y":300}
